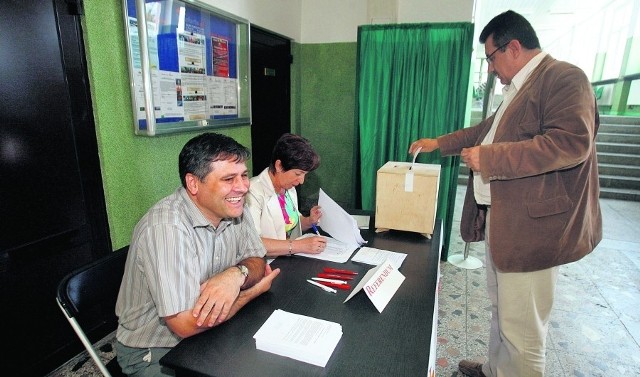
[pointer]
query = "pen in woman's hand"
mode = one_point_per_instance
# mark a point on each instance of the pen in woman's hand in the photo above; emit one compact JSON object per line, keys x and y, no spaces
{"x":315,"y":229}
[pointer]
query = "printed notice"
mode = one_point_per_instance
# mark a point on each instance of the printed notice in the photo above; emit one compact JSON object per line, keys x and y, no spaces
{"x":299,"y":337}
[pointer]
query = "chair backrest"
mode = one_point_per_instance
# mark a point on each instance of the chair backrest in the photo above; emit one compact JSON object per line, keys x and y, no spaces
{"x":93,"y":286}
{"x":97,"y":283}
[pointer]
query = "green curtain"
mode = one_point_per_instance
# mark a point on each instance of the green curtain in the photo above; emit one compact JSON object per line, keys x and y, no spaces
{"x":412,"y":82}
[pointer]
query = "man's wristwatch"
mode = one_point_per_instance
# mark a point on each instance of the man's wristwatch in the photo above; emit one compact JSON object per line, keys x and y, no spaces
{"x":243,"y":270}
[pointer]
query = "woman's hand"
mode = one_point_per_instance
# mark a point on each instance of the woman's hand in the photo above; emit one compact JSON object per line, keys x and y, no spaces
{"x":315,"y":214}
{"x":311,"y":245}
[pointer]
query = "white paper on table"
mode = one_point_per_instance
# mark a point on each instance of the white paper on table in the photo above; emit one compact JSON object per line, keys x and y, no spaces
{"x":299,"y":337}
{"x":335,"y":251}
{"x":370,"y":255}
{"x":337,"y":222}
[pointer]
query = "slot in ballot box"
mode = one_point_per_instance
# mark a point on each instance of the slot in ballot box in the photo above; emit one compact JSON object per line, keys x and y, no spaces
{"x":407,"y":197}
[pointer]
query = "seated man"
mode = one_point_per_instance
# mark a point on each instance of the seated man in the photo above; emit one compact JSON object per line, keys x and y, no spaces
{"x":195,"y":257}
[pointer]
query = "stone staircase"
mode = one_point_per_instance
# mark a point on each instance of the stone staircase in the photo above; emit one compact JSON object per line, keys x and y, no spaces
{"x":618,"y":145}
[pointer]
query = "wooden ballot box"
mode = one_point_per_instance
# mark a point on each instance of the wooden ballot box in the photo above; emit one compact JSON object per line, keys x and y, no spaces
{"x":407,"y":197}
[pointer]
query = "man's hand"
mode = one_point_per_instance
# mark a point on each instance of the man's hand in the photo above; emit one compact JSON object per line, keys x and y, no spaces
{"x":471,"y":157}
{"x":217,"y":294}
{"x":184,"y":323}
{"x":427,"y":145}
{"x":247,"y":295}
{"x":262,"y":286}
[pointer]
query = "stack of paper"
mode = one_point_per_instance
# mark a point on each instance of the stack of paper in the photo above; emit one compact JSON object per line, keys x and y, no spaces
{"x":299,"y":337}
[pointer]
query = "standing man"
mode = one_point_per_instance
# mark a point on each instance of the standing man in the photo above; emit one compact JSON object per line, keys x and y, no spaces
{"x":535,"y":175}
{"x":195,"y":258}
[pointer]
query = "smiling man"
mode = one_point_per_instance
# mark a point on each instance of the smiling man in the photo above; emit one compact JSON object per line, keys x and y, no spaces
{"x":535,"y":176}
{"x":195,"y":257}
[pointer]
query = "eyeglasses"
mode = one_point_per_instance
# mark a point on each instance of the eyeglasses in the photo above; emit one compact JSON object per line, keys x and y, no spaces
{"x":490,"y":57}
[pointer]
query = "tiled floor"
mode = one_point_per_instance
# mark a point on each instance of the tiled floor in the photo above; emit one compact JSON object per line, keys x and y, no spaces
{"x":82,"y":365}
{"x":595,"y":324}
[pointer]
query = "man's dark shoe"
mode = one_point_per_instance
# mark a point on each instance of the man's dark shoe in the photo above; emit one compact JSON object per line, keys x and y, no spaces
{"x":471,"y":368}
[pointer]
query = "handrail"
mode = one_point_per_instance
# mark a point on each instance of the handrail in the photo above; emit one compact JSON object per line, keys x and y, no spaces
{"x":634,"y":76}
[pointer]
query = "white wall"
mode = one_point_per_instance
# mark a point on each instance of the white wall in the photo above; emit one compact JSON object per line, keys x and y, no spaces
{"x":330,"y":21}
{"x":279,"y":16}
{"x":411,"y":11}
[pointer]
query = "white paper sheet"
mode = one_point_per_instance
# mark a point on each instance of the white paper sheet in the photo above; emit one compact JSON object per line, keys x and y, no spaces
{"x":335,"y":251}
{"x":415,"y":155}
{"x":299,"y":337}
{"x":370,"y":255}
{"x":337,"y":222}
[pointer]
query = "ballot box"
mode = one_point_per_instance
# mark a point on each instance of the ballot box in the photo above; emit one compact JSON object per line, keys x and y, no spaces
{"x":407,"y":197}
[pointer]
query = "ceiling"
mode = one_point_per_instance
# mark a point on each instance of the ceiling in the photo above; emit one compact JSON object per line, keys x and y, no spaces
{"x":550,"y":18}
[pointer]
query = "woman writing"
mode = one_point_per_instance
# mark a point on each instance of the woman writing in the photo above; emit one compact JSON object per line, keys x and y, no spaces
{"x":273,"y":201}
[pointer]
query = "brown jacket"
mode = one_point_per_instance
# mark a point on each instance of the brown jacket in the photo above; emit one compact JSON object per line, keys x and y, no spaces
{"x":543,"y":171}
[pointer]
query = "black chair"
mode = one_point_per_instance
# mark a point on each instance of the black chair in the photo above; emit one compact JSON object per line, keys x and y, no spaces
{"x":88,"y":295}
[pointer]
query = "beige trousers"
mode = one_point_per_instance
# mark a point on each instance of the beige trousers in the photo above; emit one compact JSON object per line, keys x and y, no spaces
{"x":520,"y":309}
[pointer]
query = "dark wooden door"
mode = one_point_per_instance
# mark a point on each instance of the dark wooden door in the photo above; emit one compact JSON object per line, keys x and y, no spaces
{"x":270,"y":94}
{"x":52,"y":211}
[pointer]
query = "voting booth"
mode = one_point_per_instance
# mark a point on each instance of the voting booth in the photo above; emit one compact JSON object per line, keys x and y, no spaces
{"x":407,"y":197}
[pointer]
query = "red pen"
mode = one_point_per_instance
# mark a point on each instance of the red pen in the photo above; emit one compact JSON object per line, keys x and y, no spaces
{"x":335,"y":276}
{"x":335,"y":285}
{"x":337,"y":271}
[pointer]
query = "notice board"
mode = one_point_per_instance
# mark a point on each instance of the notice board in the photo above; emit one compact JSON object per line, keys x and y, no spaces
{"x":189,"y":67}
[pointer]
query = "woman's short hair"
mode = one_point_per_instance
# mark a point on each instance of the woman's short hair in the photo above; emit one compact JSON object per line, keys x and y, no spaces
{"x":294,"y":152}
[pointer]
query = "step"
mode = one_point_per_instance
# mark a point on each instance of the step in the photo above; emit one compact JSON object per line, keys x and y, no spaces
{"x":620,"y":194}
{"x":622,"y":170}
{"x":612,"y":119}
{"x":618,"y":158}
{"x":620,"y":182}
{"x":619,"y":128}
{"x":607,"y":137}
{"x":617,"y":148}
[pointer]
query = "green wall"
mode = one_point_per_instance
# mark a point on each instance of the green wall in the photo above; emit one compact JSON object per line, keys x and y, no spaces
{"x":296,"y":90}
{"x":326,"y":116}
{"x":137,"y":171}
